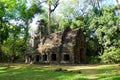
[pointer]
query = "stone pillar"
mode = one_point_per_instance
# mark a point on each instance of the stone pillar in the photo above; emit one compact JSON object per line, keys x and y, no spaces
{"x":41,"y":58}
{"x":72,"y":58}
{"x":26,"y":59}
{"x":48,"y":58}
{"x":57,"y":57}
{"x":62,"y":57}
{"x":79,"y":54}
{"x":34,"y":58}
{"x":84,"y":54}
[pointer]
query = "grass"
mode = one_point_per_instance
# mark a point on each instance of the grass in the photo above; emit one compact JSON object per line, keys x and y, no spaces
{"x":46,"y":72}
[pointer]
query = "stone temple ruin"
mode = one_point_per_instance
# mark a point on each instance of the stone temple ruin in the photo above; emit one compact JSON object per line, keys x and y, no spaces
{"x":66,"y":46}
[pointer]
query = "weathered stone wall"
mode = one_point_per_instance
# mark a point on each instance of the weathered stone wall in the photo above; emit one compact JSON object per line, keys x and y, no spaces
{"x":67,"y":46}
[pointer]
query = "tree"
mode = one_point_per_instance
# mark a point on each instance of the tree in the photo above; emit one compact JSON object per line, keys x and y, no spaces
{"x":51,"y":4}
{"x":3,"y":26}
{"x":7,"y":13}
{"x":111,"y":55}
{"x":93,"y":3}
{"x":13,"y":48}
{"x":26,"y":15}
{"x":13,"y":16}
{"x":65,"y":14}
{"x":105,"y":27}
{"x":117,"y":1}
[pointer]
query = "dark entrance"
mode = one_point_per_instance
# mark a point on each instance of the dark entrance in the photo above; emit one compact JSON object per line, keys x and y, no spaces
{"x":66,"y":57}
{"x":44,"y":57}
{"x":53,"y":57}
{"x":37,"y":59}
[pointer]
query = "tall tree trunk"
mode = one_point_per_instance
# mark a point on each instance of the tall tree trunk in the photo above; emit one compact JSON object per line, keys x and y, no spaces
{"x":117,"y":1}
{"x":0,"y":52}
{"x":98,"y":3}
{"x":49,"y":14}
{"x":49,"y":18}
{"x":92,"y":2}
{"x":26,"y":31}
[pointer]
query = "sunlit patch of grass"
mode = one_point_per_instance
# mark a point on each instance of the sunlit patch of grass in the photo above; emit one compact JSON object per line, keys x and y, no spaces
{"x":2,"y":71}
{"x":109,"y":77}
{"x":2,"y":68}
{"x":47,"y":72}
{"x":37,"y":72}
{"x":109,"y":73}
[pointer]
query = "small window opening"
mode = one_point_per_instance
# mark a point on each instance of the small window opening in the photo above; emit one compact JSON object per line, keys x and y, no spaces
{"x":66,"y":57}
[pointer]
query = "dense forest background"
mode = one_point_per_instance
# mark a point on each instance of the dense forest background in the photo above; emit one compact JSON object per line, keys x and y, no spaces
{"x":99,"y":19}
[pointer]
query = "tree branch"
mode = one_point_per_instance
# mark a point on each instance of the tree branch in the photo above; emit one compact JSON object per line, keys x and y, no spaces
{"x":42,"y":1}
{"x":55,"y":6}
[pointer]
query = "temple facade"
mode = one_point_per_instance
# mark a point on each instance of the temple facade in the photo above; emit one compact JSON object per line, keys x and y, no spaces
{"x":66,"y":46}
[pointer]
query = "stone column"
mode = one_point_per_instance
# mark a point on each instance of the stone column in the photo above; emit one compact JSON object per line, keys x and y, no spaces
{"x":34,"y":58}
{"x":72,"y":56}
{"x":41,"y":58}
{"x":26,"y":59}
{"x":49,"y":57}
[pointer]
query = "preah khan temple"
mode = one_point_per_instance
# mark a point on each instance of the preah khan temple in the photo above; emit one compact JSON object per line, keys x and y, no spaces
{"x":65,"y":46}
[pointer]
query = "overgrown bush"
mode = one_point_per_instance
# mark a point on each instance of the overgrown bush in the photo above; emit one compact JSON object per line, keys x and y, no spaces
{"x":111,"y":55}
{"x":94,"y":60}
{"x":13,"y":49}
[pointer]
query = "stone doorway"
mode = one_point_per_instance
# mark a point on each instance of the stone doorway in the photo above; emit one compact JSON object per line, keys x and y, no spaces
{"x":44,"y":57}
{"x":37,"y":58}
{"x":53,"y":57}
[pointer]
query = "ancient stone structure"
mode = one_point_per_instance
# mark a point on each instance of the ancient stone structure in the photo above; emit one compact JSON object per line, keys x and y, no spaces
{"x":66,"y":46}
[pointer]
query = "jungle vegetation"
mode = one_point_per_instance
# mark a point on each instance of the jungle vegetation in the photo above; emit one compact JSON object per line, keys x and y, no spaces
{"x":99,"y":19}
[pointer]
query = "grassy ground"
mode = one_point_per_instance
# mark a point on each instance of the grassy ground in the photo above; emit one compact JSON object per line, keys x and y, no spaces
{"x":46,"y":72}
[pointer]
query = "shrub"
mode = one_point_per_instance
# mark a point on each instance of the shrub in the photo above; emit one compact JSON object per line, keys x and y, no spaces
{"x":111,"y":55}
{"x":13,"y":49}
{"x":94,"y":60}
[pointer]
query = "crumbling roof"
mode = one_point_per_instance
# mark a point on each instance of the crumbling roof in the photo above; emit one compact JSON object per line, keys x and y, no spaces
{"x":71,"y":36}
{"x":53,"y":41}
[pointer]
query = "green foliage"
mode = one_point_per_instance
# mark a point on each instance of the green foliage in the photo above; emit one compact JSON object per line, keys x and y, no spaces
{"x":64,"y":23}
{"x":13,"y":48}
{"x":94,"y":60}
{"x":78,"y":23}
{"x":110,"y":55}
{"x":3,"y":26}
{"x":105,"y":27}
{"x":27,"y":13}
{"x":100,"y":24}
{"x":102,"y":31}
{"x":93,"y":47}
{"x":68,"y":11}
{"x":2,"y":9}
